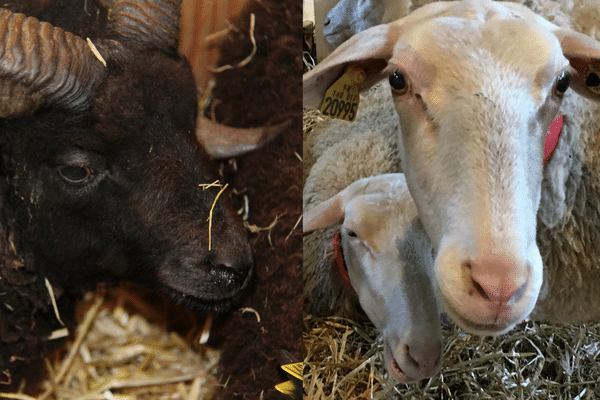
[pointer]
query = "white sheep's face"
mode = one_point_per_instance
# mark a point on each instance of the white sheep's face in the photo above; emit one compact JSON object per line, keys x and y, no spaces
{"x":472,"y":147}
{"x":389,"y":259}
{"x":390,"y":265}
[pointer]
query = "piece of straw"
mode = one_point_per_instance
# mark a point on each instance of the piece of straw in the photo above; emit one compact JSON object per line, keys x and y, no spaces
{"x":247,"y":59}
{"x":210,"y":216}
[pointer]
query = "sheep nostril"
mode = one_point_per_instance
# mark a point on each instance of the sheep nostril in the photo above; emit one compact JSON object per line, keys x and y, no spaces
{"x":476,"y":287}
{"x":496,"y":279}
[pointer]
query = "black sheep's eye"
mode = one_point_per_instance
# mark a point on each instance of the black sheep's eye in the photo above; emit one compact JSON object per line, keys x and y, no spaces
{"x":399,"y":83}
{"x":562,"y":83}
{"x":73,"y":174}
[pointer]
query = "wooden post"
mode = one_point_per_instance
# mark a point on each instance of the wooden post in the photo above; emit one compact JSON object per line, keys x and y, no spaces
{"x":200,"y":18}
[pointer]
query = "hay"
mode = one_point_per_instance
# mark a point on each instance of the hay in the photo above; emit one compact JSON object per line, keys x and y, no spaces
{"x":118,"y":354}
{"x":343,"y":360}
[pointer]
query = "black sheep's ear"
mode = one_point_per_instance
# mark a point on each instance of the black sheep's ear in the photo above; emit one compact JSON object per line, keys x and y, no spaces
{"x":152,"y":23}
{"x":42,"y":65}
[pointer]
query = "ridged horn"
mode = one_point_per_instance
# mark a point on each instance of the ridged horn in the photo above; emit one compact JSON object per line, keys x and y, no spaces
{"x":149,"y":22}
{"x":43,"y":65}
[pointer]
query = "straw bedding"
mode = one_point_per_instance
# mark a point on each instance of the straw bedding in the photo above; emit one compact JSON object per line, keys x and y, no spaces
{"x":343,"y":360}
{"x":122,"y":349}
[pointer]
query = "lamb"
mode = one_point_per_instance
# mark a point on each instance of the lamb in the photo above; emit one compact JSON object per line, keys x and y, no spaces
{"x":379,"y":247}
{"x":335,"y":169}
{"x":102,"y":176}
{"x":472,"y":153}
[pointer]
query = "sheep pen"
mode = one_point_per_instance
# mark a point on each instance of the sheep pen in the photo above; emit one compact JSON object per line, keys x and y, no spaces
{"x":536,"y":360}
{"x":131,"y":344}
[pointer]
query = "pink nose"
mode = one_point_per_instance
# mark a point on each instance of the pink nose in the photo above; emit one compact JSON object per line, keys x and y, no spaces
{"x":499,"y":279}
{"x":424,"y":359}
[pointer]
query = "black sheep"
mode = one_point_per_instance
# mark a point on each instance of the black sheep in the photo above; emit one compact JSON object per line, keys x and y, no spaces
{"x":101,"y":176}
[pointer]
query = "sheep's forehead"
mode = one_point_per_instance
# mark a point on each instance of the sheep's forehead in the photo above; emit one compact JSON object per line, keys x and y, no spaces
{"x":374,"y":217}
{"x":472,"y":45}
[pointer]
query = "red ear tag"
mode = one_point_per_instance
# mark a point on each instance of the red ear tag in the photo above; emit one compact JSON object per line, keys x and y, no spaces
{"x":552,"y":137}
{"x":339,"y":260}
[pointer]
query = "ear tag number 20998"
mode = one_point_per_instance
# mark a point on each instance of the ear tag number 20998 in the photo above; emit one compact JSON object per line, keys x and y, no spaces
{"x":342,"y":98}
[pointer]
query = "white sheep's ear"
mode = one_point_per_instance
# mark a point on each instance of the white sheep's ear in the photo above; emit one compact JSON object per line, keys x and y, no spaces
{"x":377,"y":51}
{"x":369,"y":50}
{"x":583,"y":54}
{"x":330,"y":212}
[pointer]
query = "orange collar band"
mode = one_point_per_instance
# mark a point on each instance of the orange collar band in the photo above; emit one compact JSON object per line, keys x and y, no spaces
{"x":552,"y":137}
{"x":339,"y":261}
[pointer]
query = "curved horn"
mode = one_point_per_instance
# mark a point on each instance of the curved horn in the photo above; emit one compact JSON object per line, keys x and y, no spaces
{"x":149,"y":22}
{"x":221,"y":141}
{"x":42,"y":65}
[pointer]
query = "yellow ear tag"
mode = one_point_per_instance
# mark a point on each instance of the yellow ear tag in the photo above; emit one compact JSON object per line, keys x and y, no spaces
{"x":342,"y":98}
{"x":592,"y":78}
{"x":289,"y":388}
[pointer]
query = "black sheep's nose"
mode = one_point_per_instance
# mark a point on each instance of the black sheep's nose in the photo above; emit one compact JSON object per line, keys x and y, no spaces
{"x":233,"y":261}
{"x":230,"y":278}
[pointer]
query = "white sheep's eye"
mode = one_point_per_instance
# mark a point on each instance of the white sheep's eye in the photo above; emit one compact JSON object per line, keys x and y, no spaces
{"x":74,"y":174}
{"x":350,"y":233}
{"x":399,"y":83}
{"x":562,"y":84}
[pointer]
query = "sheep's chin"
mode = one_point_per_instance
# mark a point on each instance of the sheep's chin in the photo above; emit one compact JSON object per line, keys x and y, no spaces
{"x":473,"y":327}
{"x":393,"y":368}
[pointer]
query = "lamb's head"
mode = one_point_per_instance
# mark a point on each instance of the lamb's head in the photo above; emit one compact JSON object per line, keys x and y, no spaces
{"x":476,"y":86}
{"x":104,"y":176}
{"x":389,"y":260}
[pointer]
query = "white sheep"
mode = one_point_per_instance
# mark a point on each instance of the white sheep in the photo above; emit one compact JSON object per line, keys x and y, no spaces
{"x":348,"y":17}
{"x":476,"y":85}
{"x":389,"y":262}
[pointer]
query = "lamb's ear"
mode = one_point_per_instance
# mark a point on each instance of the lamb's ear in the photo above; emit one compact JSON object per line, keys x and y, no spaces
{"x":370,"y":50}
{"x":329,"y":212}
{"x":583,"y":54}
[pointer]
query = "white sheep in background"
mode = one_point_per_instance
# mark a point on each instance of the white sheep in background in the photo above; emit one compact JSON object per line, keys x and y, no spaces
{"x":348,"y":17}
{"x":389,"y":261}
{"x":476,"y":85}
{"x":376,"y":114}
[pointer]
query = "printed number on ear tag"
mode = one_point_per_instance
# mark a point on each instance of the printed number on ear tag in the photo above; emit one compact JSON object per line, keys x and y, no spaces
{"x":342,"y":98}
{"x":592,"y":78}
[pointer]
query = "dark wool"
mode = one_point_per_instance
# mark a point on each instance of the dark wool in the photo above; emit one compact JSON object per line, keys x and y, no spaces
{"x":267,"y":91}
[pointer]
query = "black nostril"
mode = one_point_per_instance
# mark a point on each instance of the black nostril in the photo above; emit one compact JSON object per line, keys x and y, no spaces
{"x":411,"y":359}
{"x":475,"y":286}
